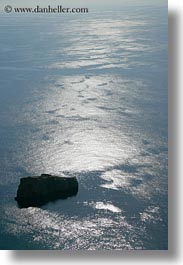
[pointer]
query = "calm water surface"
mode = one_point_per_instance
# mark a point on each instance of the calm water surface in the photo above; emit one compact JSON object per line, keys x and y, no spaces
{"x":86,"y":96}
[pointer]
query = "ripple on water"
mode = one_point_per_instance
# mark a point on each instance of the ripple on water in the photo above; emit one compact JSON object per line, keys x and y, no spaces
{"x":56,"y":231}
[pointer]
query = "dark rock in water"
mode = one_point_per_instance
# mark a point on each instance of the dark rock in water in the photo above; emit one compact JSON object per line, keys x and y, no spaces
{"x":36,"y":191}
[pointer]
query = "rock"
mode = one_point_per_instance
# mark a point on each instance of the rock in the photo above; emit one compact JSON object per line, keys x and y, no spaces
{"x":36,"y":191}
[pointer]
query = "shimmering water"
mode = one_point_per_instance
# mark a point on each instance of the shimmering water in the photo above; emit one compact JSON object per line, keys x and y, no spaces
{"x":86,"y":95}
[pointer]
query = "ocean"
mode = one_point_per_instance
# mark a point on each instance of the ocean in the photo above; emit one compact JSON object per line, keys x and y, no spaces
{"x":86,"y":95}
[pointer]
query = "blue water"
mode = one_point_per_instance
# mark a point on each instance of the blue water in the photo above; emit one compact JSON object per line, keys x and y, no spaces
{"x":86,"y":96}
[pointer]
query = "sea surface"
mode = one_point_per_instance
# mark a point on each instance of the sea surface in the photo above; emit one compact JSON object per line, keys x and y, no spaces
{"x":85,"y":95}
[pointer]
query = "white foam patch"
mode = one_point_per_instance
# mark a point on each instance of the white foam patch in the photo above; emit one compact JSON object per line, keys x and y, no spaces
{"x":107,"y":206}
